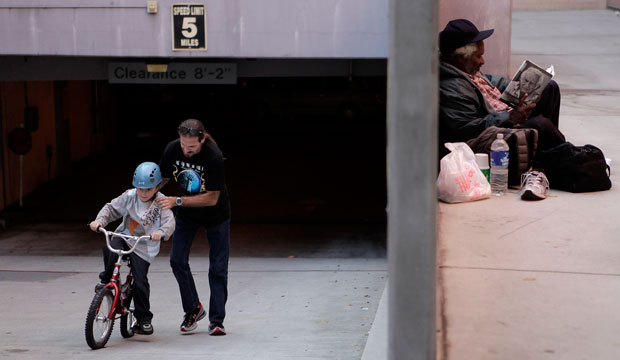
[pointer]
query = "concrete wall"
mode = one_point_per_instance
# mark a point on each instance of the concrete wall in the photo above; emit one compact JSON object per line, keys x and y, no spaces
{"x":485,"y":14}
{"x":559,"y":4}
{"x":235,"y":28}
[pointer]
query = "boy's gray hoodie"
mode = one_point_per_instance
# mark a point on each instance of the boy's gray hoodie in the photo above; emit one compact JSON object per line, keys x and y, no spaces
{"x":139,"y":218}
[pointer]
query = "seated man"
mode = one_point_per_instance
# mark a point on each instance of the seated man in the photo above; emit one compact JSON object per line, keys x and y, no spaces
{"x":469,"y":101}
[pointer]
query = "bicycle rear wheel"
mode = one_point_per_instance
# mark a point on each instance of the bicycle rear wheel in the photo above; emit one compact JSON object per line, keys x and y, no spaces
{"x":98,"y":327}
{"x":127,"y":320}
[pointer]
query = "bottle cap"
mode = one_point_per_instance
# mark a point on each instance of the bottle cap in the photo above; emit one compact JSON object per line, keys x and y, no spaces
{"x":482,"y":160}
{"x":500,"y":135}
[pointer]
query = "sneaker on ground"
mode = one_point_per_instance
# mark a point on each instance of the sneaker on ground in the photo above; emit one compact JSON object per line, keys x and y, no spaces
{"x":99,"y":286}
{"x":191,"y":318}
{"x":142,"y":328}
{"x":216,"y":329}
{"x":534,"y":185}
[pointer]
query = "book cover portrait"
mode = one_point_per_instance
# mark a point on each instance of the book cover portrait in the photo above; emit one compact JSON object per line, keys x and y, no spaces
{"x":530,"y":79}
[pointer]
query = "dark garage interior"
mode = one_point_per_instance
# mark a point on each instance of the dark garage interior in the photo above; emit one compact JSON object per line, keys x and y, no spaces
{"x":305,"y":156}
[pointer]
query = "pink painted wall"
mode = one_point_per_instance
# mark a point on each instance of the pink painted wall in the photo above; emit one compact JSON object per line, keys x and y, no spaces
{"x":518,"y":5}
{"x":485,"y":14}
{"x":614,"y":3}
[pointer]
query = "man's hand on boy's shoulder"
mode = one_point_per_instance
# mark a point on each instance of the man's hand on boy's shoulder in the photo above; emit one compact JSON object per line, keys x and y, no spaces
{"x":166,"y":202}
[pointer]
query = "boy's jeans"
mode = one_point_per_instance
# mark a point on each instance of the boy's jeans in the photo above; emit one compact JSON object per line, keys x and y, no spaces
{"x":139,"y":271}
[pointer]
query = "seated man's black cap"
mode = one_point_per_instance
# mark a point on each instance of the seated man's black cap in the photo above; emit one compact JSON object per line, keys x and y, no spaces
{"x":460,"y":32}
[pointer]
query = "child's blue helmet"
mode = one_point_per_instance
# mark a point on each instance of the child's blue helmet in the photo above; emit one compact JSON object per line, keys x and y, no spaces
{"x":146,"y":176}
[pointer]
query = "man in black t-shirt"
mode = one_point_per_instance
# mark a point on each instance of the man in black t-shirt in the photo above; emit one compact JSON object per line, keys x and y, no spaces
{"x":196,"y":164}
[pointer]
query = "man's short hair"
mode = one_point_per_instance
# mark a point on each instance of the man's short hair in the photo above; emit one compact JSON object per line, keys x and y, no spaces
{"x":466,"y":51}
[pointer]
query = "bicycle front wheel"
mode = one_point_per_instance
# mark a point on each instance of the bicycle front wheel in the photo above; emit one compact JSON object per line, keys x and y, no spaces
{"x":98,"y":327}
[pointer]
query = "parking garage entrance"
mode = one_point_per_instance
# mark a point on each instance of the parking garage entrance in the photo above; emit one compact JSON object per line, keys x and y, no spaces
{"x":297,"y":150}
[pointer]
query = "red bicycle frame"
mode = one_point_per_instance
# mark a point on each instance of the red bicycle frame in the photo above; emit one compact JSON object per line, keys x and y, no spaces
{"x":118,"y":307}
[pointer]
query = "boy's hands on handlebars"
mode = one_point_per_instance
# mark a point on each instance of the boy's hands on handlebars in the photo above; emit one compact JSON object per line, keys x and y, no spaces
{"x":94,"y":226}
{"x":156,"y":236}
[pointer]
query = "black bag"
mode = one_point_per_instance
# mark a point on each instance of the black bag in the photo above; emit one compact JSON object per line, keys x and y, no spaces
{"x":575,"y":168}
{"x":522,"y":143}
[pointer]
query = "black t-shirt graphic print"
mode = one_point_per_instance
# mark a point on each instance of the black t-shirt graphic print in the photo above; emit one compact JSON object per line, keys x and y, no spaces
{"x":189,"y":177}
{"x":196,"y":175}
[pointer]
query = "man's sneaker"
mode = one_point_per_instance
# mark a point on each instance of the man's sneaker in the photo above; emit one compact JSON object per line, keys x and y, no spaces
{"x":534,"y":185}
{"x":144,"y":328}
{"x":216,"y":329}
{"x":99,"y":286}
{"x":191,"y":318}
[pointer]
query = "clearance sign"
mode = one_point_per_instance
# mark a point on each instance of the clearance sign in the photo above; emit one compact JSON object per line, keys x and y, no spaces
{"x":189,"y":27}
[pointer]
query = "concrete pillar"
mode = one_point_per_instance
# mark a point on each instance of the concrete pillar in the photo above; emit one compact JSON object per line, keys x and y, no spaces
{"x":2,"y":171}
{"x":412,"y":171}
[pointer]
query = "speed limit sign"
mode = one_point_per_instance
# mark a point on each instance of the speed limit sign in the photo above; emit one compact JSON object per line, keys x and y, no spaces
{"x":189,"y":27}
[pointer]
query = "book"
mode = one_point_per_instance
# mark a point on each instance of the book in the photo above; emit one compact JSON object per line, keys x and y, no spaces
{"x":530,"y":79}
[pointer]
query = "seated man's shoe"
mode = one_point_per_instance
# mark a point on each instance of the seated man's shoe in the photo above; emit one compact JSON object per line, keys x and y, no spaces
{"x":144,"y":328}
{"x":534,"y":185}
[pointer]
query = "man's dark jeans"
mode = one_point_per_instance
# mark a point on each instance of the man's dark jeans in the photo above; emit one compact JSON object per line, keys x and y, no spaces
{"x":219,"y":249}
{"x":545,"y":118}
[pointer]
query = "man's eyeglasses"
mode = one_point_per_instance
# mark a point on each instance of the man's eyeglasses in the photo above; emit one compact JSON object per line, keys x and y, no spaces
{"x":183,"y":130}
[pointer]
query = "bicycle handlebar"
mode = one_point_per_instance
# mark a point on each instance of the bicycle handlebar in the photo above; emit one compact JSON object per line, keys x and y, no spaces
{"x":125,"y":237}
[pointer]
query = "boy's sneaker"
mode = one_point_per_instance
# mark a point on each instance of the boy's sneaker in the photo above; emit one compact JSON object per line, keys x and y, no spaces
{"x":534,"y":185}
{"x":144,"y":328}
{"x":99,"y":286}
{"x":216,"y":329}
{"x":191,"y":319}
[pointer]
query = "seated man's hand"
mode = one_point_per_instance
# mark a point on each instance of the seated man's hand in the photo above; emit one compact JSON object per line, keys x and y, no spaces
{"x":94,"y":225}
{"x":156,"y":236}
{"x":522,"y":112}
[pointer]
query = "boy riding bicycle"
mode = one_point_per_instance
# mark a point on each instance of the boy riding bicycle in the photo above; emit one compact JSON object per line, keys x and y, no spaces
{"x":141,"y":216}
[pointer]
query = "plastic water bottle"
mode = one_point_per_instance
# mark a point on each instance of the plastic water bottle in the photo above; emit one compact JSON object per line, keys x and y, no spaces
{"x":499,"y":166}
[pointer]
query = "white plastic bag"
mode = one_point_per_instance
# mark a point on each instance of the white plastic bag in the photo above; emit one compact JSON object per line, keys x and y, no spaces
{"x":460,"y":178}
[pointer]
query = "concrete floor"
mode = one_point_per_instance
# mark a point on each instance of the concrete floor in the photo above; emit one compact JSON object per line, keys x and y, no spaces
{"x":279,"y":308}
{"x":306,"y":291}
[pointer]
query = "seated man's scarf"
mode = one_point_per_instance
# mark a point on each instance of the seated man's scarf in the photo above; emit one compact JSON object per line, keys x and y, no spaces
{"x":491,"y":93}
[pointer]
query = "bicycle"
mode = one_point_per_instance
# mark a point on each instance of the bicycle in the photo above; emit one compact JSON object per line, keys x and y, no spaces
{"x":115,"y":298}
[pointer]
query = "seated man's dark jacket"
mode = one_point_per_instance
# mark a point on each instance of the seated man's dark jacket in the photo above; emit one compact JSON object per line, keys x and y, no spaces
{"x":463,"y":111}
